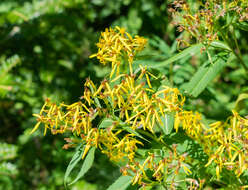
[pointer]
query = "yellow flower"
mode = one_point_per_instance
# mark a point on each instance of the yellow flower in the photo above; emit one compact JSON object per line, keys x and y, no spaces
{"x":113,"y":44}
{"x":130,"y":100}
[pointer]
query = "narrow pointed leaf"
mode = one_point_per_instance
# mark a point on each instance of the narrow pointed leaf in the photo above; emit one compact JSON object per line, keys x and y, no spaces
{"x":86,"y":165}
{"x":121,"y":183}
{"x":128,"y":129}
{"x":242,"y":26}
{"x":206,"y":73}
{"x":192,"y":50}
{"x":220,"y":44}
{"x":75,"y":159}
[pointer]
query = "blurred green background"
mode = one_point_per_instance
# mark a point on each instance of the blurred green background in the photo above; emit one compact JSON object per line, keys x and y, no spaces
{"x":44,"y":50}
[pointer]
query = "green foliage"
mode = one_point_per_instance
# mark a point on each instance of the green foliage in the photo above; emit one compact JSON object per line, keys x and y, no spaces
{"x":121,"y":183}
{"x":205,"y":74}
{"x":188,"y":51}
{"x":6,"y":65}
{"x":75,"y":159}
{"x":8,"y":169}
{"x":168,"y":123}
{"x":7,"y":151}
{"x":88,"y":161}
{"x":240,"y":102}
{"x":53,"y":39}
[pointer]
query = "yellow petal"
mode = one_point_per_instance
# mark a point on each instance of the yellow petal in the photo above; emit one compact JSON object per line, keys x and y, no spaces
{"x":35,"y":127}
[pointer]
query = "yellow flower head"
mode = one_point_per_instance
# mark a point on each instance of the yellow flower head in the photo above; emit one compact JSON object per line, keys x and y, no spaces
{"x":116,"y":43}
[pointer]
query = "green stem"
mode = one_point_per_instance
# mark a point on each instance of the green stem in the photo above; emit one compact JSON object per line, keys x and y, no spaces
{"x":237,"y":54}
{"x":171,"y":74}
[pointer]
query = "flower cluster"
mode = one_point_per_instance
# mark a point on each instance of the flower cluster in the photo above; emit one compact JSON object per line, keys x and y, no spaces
{"x":226,"y":143}
{"x":205,"y":21}
{"x":132,"y":102}
{"x":128,"y":101}
{"x":78,"y":118}
{"x":130,"y":105}
{"x":190,"y":122}
{"x":157,"y":167}
{"x":135,"y":103}
{"x":115,"y":44}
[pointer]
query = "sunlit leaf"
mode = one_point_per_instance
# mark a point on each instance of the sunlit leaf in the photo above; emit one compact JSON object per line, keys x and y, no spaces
{"x":121,"y":183}
{"x":88,"y":161}
{"x":168,"y":123}
{"x":107,"y":122}
{"x":7,"y":151}
{"x":221,"y":45}
{"x":205,"y":74}
{"x":75,"y":159}
{"x":239,"y":104}
{"x":192,"y":50}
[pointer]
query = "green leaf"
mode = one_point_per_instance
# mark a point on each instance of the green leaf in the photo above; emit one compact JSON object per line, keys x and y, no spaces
{"x":203,"y":76}
{"x":8,"y":64}
{"x":107,"y":122}
{"x":7,"y":151}
{"x":194,"y":49}
{"x":65,"y":63}
{"x":121,"y":183}
{"x":143,"y":152}
{"x":86,"y":165}
{"x":128,"y":129}
{"x":160,"y":44}
{"x":242,"y":26}
{"x":75,"y":159}
{"x":6,"y":78}
{"x":168,"y":123}
{"x":8,"y":168}
{"x":221,"y":45}
{"x":239,"y":104}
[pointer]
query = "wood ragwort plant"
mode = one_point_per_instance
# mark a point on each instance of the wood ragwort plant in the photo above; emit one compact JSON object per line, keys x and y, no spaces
{"x":138,"y":120}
